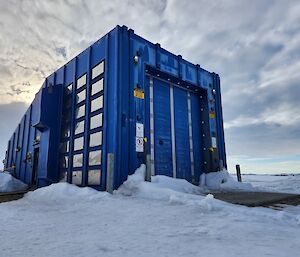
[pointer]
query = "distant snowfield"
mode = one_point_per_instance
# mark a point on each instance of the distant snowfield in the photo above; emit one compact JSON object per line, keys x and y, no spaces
{"x":167,"y":217}
{"x":287,"y":184}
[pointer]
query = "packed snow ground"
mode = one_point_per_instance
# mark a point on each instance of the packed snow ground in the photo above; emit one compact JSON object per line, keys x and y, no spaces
{"x":167,"y":217}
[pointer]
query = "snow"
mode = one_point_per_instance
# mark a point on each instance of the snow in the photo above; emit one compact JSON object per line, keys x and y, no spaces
{"x":288,"y":183}
{"x":8,"y":183}
{"x":167,"y":217}
{"x":223,"y":181}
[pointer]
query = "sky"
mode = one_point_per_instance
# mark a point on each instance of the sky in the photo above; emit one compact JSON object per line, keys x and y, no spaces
{"x":253,"y":45}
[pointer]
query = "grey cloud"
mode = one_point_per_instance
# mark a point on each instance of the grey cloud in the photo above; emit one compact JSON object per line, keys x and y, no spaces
{"x":253,"y":45}
{"x":17,"y":91}
{"x":263,"y":140}
{"x":61,"y":51}
{"x":10,"y":116}
{"x":4,"y":70}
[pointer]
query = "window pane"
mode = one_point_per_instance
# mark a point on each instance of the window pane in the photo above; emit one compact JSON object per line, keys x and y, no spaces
{"x":96,"y":121}
{"x":97,"y":103}
{"x":80,"y":97}
{"x":77,"y":177}
{"x":95,"y":158}
{"x":68,"y":146}
{"x":80,"y":111}
{"x":79,"y":127}
{"x":81,"y":81}
{"x":77,"y":160}
{"x":97,"y":70}
{"x":68,"y":89}
{"x":96,"y":139}
{"x":78,"y":143}
{"x":94,"y":177}
{"x":97,"y":87}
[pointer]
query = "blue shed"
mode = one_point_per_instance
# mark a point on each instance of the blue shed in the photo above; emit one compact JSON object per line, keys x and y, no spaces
{"x":122,"y":102}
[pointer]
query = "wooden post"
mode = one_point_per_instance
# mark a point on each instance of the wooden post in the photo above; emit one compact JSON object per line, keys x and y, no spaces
{"x":238,"y":173}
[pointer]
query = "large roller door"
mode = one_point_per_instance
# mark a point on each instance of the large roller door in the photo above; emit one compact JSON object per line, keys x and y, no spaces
{"x":175,"y":130}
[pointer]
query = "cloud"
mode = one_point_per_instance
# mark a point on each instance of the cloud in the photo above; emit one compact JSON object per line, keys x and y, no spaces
{"x":10,"y":116}
{"x":253,"y":45}
{"x":265,"y":165}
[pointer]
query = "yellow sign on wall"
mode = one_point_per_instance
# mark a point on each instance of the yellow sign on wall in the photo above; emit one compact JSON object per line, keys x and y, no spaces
{"x":212,"y":115}
{"x":139,"y":93}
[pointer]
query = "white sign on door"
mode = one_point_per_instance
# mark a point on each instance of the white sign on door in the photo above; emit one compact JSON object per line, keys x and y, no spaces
{"x":214,"y":142}
{"x":139,"y":144}
{"x":139,"y":130}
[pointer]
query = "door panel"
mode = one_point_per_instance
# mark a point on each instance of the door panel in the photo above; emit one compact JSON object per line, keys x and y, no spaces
{"x":183,"y":163}
{"x":162,"y":128}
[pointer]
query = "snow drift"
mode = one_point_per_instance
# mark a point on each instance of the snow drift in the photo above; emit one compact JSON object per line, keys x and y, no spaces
{"x":9,"y":184}
{"x":222,"y":180}
{"x":163,"y":188}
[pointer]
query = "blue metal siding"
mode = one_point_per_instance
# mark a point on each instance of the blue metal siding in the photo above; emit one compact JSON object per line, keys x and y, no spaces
{"x":10,"y":151}
{"x":220,"y":127}
{"x":28,"y":174}
{"x":52,"y":101}
{"x":69,"y":72}
{"x":16,"y":136}
{"x":146,"y":120}
{"x":197,"y":140}
{"x":132,"y":70}
{"x":27,"y":146}
{"x":21,"y":145}
{"x":124,"y":96}
{"x":24,"y":148}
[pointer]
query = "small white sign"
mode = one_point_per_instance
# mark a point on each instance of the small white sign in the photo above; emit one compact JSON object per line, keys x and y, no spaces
{"x":214,"y":142}
{"x":139,"y":130}
{"x":139,"y":144}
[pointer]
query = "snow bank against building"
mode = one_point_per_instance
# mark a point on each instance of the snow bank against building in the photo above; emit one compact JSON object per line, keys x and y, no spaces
{"x":170,"y":190}
{"x":9,"y":184}
{"x":136,"y":181}
{"x":223,"y":181}
{"x":63,"y":191}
